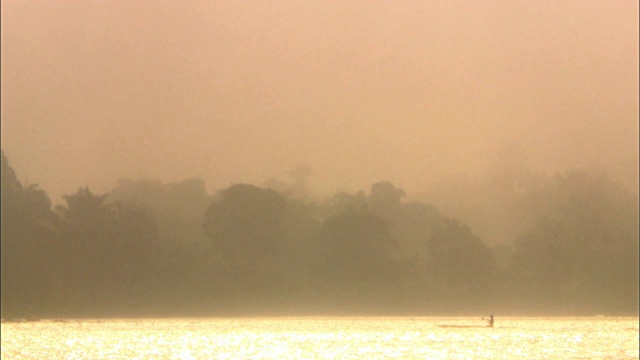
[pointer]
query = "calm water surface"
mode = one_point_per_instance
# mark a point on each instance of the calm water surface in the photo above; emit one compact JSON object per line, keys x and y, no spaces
{"x":323,"y":338}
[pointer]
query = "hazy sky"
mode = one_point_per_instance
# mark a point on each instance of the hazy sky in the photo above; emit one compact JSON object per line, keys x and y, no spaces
{"x":359,"y":91}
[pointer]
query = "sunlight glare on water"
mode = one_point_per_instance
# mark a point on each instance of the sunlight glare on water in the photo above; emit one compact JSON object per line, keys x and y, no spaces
{"x":322,"y":338}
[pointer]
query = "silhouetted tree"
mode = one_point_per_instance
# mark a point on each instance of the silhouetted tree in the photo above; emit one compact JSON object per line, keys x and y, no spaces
{"x":385,"y":196}
{"x":28,"y":240}
{"x":108,"y":249}
{"x":359,"y":252}
{"x":583,"y":251}
{"x":247,"y":223}
{"x":458,"y":257}
{"x":177,"y":208}
{"x":341,"y":202}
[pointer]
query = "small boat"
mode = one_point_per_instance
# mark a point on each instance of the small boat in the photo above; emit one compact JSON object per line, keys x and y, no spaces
{"x":463,"y":326}
{"x":489,"y":325}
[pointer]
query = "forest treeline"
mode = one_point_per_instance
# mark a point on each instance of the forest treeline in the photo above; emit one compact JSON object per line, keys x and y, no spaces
{"x":153,"y":249}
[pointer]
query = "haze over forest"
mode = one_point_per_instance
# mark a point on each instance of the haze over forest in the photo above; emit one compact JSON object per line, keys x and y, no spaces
{"x":406,"y":152}
{"x":414,"y":92}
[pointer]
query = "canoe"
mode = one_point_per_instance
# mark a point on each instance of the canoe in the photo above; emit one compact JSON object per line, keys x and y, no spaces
{"x":463,"y":326}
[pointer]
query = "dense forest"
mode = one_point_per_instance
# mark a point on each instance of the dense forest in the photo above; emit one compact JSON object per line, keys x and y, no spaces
{"x":147,"y":248}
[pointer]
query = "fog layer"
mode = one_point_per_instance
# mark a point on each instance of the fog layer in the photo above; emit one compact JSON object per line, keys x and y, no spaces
{"x":412,"y":92}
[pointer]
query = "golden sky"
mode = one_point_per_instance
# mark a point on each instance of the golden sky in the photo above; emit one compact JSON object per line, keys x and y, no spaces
{"x":359,"y":91}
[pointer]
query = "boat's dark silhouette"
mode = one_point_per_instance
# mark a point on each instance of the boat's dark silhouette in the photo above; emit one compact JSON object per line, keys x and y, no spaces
{"x":489,"y":324}
{"x":463,"y":326}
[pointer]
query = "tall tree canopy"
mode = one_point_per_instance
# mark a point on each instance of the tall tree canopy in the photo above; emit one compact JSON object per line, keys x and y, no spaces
{"x":247,"y":223}
{"x":28,"y":239}
{"x":108,"y":250}
{"x":584,"y":247}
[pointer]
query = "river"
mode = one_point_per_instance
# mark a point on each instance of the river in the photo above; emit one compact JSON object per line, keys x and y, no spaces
{"x":323,"y":338}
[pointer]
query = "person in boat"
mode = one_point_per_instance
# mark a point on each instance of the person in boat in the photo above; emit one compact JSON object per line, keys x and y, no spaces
{"x":490,"y":320}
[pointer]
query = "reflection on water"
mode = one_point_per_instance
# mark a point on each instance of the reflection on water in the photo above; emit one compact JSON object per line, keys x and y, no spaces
{"x":325,"y":338}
